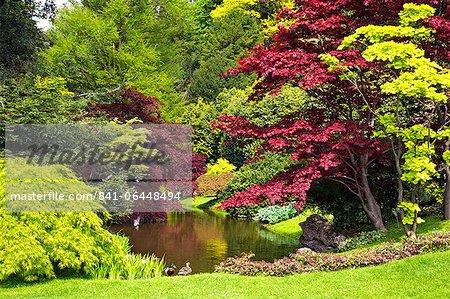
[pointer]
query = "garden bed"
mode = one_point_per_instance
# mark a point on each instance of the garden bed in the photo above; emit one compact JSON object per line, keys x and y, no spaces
{"x":307,"y":261}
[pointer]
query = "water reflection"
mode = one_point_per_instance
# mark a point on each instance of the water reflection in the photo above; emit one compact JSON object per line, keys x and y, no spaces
{"x":205,"y":239}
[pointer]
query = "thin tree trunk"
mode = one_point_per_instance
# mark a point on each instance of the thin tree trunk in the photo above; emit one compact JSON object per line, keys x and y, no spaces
{"x":414,"y":227}
{"x":447,"y":186}
{"x":397,"y":156}
{"x":447,"y":193}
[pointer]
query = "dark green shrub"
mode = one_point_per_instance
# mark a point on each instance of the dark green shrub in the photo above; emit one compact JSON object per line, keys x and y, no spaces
{"x":362,"y":239}
{"x":345,"y":207}
{"x":244,"y":211}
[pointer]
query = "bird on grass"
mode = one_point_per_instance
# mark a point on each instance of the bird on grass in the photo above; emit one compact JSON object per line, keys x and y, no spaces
{"x":186,"y":270}
{"x":170,"y":271}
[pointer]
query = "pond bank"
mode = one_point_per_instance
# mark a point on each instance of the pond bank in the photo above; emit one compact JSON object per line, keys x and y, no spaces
{"x":205,"y":238}
{"x":289,"y":228}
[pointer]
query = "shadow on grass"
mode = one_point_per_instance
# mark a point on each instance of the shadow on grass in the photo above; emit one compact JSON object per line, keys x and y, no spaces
{"x":14,"y":282}
{"x":431,"y":225}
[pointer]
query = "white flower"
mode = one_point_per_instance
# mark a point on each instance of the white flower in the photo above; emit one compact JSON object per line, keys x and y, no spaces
{"x":144,"y":262}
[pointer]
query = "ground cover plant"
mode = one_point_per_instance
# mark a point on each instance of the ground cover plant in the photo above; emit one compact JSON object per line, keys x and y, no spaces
{"x":308,"y":261}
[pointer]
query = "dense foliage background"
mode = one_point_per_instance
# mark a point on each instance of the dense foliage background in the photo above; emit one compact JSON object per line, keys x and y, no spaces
{"x":343,"y":104}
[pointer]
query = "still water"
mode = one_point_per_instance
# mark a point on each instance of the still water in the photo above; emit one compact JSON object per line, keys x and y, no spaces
{"x":205,"y":239}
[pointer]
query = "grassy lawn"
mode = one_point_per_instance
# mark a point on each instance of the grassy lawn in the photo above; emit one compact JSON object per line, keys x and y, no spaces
{"x":432,"y":224}
{"x":424,"y":276}
{"x":289,"y":227}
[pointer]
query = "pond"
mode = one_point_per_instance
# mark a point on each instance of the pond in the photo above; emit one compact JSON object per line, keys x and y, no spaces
{"x":204,"y":239}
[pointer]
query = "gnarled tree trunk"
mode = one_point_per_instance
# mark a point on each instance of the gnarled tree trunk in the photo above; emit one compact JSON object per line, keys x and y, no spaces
{"x":370,"y":204}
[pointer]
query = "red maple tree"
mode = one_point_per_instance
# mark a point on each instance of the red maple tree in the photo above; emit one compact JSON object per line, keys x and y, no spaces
{"x":130,"y":104}
{"x":338,"y":145}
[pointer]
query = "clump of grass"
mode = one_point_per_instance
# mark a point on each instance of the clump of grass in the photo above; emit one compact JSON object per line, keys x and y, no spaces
{"x":132,"y":266}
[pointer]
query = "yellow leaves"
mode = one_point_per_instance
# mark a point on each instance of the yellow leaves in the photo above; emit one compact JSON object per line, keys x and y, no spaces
{"x":413,"y":13}
{"x":411,"y":210}
{"x":57,"y":84}
{"x":375,"y":34}
{"x":421,"y":83}
{"x":269,"y":25}
{"x":220,"y":167}
{"x":408,"y":17}
{"x":229,"y":5}
{"x":398,"y":54}
{"x":417,"y":167}
{"x":332,"y":61}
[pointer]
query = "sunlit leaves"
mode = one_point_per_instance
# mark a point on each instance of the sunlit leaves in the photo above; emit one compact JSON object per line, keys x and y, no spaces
{"x":411,"y":210}
{"x":412,"y":13}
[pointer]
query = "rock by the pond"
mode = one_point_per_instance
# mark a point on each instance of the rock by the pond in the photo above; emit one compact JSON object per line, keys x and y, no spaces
{"x":304,"y":250}
{"x":320,"y":235}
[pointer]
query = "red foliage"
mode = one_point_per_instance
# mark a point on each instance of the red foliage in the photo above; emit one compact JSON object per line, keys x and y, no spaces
{"x":321,"y":148}
{"x":198,"y":168}
{"x":130,"y":104}
{"x":198,"y":165}
{"x":319,"y":27}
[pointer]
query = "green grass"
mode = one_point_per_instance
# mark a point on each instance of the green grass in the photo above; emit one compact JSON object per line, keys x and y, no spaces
{"x":424,"y":276}
{"x":197,"y":203}
{"x":289,"y":227}
{"x":395,"y":232}
{"x":432,"y":224}
{"x":200,"y":200}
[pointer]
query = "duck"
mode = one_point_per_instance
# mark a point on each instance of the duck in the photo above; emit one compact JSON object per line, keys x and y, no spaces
{"x":170,"y":271}
{"x":186,"y":270}
{"x":137,"y":222}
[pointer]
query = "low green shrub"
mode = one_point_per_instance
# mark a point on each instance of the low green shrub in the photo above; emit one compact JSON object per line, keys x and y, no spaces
{"x":243,"y":211}
{"x":308,"y":261}
{"x":276,"y":213}
{"x":258,"y":172}
{"x":210,"y":184}
{"x":362,"y":239}
{"x":334,"y":199}
{"x":36,"y":246}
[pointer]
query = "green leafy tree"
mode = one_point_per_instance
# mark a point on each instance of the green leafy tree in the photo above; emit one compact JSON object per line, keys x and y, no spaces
{"x":269,"y":110}
{"x":20,"y":37}
{"x":218,"y":48}
{"x":101,"y":46}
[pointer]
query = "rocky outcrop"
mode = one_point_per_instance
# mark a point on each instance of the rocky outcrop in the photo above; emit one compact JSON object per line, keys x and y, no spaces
{"x":320,"y":235}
